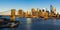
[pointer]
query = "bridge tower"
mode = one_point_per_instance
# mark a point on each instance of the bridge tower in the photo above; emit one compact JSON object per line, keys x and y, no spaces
{"x":13,"y":14}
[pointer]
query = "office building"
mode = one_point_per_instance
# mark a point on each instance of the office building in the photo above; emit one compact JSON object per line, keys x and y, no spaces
{"x":53,"y":9}
{"x":33,"y":12}
{"x":20,"y":13}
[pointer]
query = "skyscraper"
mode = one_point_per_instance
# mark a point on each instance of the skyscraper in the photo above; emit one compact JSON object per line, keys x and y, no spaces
{"x":33,"y":12}
{"x":51,"y":8}
{"x":39,"y":13}
{"x":28,"y":14}
{"x":54,"y":10}
{"x":20,"y":13}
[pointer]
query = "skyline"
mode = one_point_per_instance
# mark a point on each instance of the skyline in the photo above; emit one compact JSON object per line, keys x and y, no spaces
{"x":6,"y":5}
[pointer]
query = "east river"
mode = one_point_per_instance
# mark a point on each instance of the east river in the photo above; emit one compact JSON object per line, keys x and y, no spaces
{"x":36,"y":24}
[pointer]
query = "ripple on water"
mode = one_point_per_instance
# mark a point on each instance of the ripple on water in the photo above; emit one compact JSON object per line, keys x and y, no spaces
{"x":37,"y":24}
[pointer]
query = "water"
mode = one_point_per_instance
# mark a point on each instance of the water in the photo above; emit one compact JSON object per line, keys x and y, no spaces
{"x":36,"y":24}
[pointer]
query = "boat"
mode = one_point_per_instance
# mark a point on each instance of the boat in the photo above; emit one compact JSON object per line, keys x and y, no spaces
{"x":6,"y":23}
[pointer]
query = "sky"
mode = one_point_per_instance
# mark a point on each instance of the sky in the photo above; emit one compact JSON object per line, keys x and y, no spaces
{"x":6,"y":5}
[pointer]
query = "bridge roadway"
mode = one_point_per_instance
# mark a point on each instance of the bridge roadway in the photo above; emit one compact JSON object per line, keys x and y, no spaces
{"x":19,"y":16}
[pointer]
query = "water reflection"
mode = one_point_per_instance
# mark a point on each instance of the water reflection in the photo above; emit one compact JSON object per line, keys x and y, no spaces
{"x":36,"y":24}
{"x":29,"y":23}
{"x":1,"y":28}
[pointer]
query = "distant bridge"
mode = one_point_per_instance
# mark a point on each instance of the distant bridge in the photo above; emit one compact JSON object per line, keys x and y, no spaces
{"x":6,"y":13}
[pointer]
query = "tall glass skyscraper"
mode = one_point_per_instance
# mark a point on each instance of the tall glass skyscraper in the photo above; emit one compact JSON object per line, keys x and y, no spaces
{"x":51,"y":8}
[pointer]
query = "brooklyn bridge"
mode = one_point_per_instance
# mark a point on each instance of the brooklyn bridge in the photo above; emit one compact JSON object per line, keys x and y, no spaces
{"x":34,"y":13}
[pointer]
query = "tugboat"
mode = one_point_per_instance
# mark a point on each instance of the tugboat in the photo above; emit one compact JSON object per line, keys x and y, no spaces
{"x":5,"y":23}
